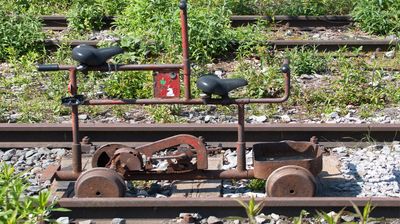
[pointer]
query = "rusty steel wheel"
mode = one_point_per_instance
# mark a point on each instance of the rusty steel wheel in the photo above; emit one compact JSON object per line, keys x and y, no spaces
{"x":290,"y":181}
{"x":100,"y":182}
{"x":104,"y":154}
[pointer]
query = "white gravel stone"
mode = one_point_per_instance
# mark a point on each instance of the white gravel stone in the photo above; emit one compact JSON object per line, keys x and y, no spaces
{"x":390,"y":54}
{"x":373,"y":169}
{"x":286,"y":118}
{"x":9,"y":154}
{"x":118,"y":221}
{"x":83,"y":117}
{"x":63,"y":220}
{"x":214,"y":220}
{"x":160,"y":196}
{"x":261,"y":218}
{"x":86,"y":222}
{"x":258,"y":119}
{"x":274,"y":216}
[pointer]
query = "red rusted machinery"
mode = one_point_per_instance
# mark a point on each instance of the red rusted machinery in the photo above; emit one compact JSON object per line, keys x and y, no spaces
{"x":289,"y":167}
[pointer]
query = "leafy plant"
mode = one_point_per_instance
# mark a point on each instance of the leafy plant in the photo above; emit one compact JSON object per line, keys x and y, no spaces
{"x":252,"y":40}
{"x":330,"y":219}
{"x":85,"y":16}
{"x":290,"y":7}
{"x":129,"y":85}
{"x":304,"y":60}
{"x":264,"y":81}
{"x":299,"y":220}
{"x":164,"y":113}
{"x":36,"y":7}
{"x":15,"y":205}
{"x":19,"y":34}
{"x":364,"y":216}
{"x":252,"y":209}
{"x":256,"y":185}
{"x":377,"y":16}
{"x":111,"y":7}
{"x":151,"y":28}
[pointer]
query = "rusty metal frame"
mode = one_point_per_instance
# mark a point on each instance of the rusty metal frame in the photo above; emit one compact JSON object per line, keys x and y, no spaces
{"x":197,"y":143}
{"x":240,"y":172}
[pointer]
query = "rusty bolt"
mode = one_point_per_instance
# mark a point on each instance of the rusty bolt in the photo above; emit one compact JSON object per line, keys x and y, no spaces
{"x":188,"y":218}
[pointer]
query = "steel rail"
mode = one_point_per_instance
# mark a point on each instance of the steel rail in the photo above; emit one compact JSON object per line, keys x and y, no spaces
{"x":60,"y":135}
{"x":220,"y":207}
{"x":59,"y":22}
{"x":327,"y":45}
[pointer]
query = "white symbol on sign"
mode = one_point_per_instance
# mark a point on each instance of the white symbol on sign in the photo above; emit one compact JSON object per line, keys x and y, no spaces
{"x":170,"y":92}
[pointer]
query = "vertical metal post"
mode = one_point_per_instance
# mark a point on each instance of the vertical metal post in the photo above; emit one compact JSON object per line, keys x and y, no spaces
{"x":76,"y":146}
{"x":241,"y":144}
{"x":185,"y":48}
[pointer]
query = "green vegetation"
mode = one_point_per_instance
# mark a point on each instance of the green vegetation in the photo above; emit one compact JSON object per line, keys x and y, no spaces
{"x":288,"y":7}
{"x":256,"y":185}
{"x":364,"y":216}
{"x":15,"y":205}
{"x":85,"y":16}
{"x":304,"y":60}
{"x":252,"y":210}
{"x":36,"y":7}
{"x":377,"y":16}
{"x":19,"y":34}
{"x":129,"y":85}
{"x":330,"y":219}
{"x":151,"y":28}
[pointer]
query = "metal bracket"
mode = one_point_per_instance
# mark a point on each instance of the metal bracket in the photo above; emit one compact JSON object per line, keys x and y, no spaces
{"x":73,"y":100}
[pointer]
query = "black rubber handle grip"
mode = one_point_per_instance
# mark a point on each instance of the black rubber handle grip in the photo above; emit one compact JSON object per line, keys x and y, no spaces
{"x":285,"y":67}
{"x":48,"y":67}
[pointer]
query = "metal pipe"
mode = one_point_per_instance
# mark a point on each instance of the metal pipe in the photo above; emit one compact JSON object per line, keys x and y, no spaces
{"x":76,"y":147}
{"x":66,"y":175}
{"x":285,"y":69}
{"x":129,"y":67}
{"x":185,"y":49}
{"x":241,"y":144}
{"x":193,"y":175}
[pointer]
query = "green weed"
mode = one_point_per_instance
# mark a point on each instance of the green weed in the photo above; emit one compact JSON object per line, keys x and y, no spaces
{"x":151,"y":28}
{"x":304,"y":60}
{"x":256,"y":185}
{"x":15,"y":205}
{"x":299,"y":220}
{"x":290,"y":7}
{"x":365,"y":215}
{"x":129,"y":85}
{"x":36,"y":7}
{"x":19,"y":34}
{"x":85,"y":16}
{"x":330,"y":219}
{"x":252,"y":209}
{"x":164,"y":113}
{"x":377,"y":16}
{"x":264,"y":81}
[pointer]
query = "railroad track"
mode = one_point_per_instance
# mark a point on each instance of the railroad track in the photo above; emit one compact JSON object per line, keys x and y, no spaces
{"x":60,"y":22}
{"x":322,"y":45}
{"x":168,"y":208}
{"x":60,"y":135}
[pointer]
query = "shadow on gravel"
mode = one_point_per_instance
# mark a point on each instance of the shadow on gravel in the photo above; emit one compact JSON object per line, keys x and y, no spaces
{"x":396,"y":173}
{"x":335,"y":185}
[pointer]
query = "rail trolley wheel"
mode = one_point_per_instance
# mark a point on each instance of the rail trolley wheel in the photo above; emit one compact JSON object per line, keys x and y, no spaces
{"x":290,"y":181}
{"x":101,"y":183}
{"x":104,"y":154}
